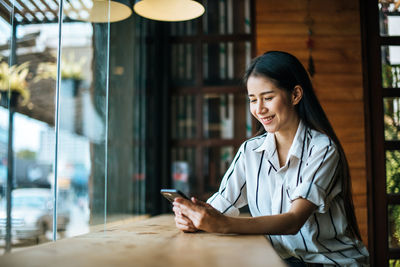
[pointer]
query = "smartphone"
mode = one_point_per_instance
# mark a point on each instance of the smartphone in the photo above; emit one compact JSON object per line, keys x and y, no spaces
{"x":171,"y":194}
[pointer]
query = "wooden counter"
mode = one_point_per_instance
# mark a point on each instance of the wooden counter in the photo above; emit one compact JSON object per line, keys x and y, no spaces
{"x":150,"y":242}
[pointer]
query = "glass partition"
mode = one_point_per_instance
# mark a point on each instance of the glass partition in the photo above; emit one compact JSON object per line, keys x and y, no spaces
{"x":82,"y":120}
{"x":5,"y":117}
{"x":31,"y":140}
{"x":76,"y":155}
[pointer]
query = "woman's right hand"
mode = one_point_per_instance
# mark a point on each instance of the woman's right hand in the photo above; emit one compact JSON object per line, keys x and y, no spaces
{"x":201,"y":215}
{"x":182,"y":222}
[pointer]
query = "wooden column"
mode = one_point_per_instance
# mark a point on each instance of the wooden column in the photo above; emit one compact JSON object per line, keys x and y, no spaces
{"x":338,"y":71}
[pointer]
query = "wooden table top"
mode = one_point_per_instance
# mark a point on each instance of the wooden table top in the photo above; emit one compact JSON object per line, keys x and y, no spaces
{"x":150,"y":242}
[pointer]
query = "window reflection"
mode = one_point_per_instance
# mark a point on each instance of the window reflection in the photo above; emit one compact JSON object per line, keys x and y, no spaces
{"x":81,"y":125}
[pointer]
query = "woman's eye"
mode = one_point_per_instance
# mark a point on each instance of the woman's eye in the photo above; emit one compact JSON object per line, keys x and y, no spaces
{"x":252,"y":100}
{"x":268,"y":98}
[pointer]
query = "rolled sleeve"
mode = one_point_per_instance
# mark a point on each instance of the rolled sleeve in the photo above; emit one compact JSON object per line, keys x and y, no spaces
{"x":223,"y":205}
{"x":316,"y":195}
{"x":318,"y":178}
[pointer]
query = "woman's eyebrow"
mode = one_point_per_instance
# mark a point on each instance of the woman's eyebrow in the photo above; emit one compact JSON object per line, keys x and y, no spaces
{"x":263,"y":93}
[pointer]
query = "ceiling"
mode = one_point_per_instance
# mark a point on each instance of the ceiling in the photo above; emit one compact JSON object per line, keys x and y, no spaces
{"x":30,"y":11}
{"x":43,"y":11}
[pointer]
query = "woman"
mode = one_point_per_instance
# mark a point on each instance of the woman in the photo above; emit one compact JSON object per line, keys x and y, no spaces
{"x":294,"y":178}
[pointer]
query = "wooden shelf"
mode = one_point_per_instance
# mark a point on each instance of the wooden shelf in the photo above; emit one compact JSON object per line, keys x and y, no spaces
{"x":207,"y":95}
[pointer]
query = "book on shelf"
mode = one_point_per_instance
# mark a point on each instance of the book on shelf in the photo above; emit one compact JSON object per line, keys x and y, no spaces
{"x":181,"y":28}
{"x":189,"y":27}
{"x":227,"y":116}
{"x":205,"y":62}
{"x":180,"y":176}
{"x":247,"y":53}
{"x":190,"y":117}
{"x":173,"y":28}
{"x":181,"y":61}
{"x":222,"y":17}
{"x":212,"y":25}
{"x":189,"y":57}
{"x":249,"y":127}
{"x":212,"y":120}
{"x":225,"y":159}
{"x":247,"y":22}
{"x":174,"y":117}
{"x":229,"y":16}
{"x":181,"y":117}
{"x":222,"y":61}
{"x":174,"y":63}
{"x":230,"y":61}
{"x":184,"y":113}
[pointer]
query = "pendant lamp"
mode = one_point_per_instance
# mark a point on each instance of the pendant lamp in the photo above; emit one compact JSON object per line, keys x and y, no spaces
{"x":168,"y":10}
{"x":98,"y":11}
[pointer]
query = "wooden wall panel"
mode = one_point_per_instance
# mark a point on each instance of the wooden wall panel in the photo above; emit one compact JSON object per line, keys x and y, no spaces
{"x":338,"y":65}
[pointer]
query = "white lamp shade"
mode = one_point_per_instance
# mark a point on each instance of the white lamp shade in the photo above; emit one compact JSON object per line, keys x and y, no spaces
{"x":169,"y":10}
{"x":98,"y":11}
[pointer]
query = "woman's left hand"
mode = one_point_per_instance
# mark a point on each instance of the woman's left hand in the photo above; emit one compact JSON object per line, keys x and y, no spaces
{"x":202,"y":215}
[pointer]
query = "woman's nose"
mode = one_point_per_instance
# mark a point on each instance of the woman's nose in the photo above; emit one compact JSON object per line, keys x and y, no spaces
{"x":261,"y":108}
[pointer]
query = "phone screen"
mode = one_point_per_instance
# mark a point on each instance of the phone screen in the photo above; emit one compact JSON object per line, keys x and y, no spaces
{"x":171,"y":194}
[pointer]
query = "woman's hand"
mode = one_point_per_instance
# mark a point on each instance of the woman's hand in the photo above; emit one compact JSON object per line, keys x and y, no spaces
{"x":182,"y":222}
{"x":200,"y":215}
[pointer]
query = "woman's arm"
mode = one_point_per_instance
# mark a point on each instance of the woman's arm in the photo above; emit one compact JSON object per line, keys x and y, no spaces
{"x":204,"y":217}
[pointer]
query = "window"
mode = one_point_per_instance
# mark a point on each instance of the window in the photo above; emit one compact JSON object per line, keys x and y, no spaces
{"x":381,"y":36}
{"x":78,"y":132}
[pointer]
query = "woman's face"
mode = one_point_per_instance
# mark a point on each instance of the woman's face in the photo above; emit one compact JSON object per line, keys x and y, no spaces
{"x":270,"y":105}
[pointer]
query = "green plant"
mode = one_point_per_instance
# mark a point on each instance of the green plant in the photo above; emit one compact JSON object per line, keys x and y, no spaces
{"x":13,"y":79}
{"x":387,"y":76}
{"x":70,"y":69}
{"x":392,"y":132}
{"x":26,"y":154}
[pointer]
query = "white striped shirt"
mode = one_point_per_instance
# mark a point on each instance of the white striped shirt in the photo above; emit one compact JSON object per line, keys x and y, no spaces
{"x":256,"y":179}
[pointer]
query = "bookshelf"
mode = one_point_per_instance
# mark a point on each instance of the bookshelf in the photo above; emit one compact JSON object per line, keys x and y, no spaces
{"x":209,"y":108}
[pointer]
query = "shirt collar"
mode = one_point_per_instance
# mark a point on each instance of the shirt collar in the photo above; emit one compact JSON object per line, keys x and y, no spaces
{"x":268,"y":145}
{"x":296,"y":148}
{"x":298,"y":141}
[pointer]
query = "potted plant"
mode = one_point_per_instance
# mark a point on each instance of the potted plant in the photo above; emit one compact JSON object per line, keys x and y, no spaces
{"x":71,"y":72}
{"x":13,"y":83}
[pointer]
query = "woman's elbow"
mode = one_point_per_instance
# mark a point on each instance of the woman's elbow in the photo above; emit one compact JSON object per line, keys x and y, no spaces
{"x":295,"y":224}
{"x":294,"y":230}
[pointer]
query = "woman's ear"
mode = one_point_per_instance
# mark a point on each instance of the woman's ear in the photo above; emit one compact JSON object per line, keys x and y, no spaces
{"x":297,"y":94}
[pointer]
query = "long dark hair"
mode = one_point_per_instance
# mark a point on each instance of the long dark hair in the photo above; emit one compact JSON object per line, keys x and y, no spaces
{"x":286,"y":71}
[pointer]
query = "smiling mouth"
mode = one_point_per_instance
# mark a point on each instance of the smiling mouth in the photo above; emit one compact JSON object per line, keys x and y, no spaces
{"x":267,"y":119}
